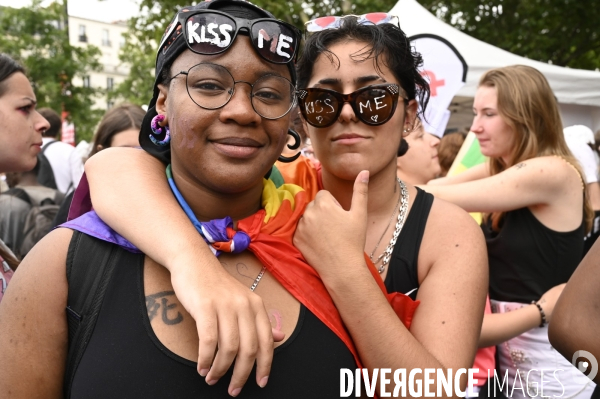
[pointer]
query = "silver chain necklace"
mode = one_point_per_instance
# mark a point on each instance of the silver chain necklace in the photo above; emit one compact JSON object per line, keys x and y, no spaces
{"x":257,"y":280}
{"x":386,"y":229}
{"x":387,"y":254}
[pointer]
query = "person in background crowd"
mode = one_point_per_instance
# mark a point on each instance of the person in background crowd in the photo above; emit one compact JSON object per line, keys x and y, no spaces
{"x":67,"y":166}
{"x":596,"y":146}
{"x":21,"y":128}
{"x":3,"y":184}
{"x":420,"y":163}
{"x":421,"y":246}
{"x":26,"y":195}
{"x":448,"y":149}
{"x":533,"y":193}
{"x":119,"y":127}
{"x":580,"y":140}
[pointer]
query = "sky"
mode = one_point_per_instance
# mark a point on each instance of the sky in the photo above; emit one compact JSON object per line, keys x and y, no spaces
{"x":100,"y":10}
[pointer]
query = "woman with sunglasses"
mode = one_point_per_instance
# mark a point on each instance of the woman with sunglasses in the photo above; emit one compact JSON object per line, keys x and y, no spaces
{"x":218,"y":119}
{"x":426,"y":248}
{"x":533,"y":194}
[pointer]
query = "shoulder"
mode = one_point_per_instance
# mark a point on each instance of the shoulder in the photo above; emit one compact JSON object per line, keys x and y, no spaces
{"x":33,"y":325}
{"x":446,"y":219}
{"x":552,"y":167}
{"x":451,"y":236}
{"x":42,"y":274}
{"x":50,"y":253}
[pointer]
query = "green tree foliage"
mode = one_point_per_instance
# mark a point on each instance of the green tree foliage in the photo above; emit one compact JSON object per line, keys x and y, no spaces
{"x":145,"y":31}
{"x":35,"y":36}
{"x":563,"y":32}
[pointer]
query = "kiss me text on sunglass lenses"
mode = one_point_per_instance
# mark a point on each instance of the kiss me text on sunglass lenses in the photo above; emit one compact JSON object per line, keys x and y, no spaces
{"x":373,"y":105}
{"x":215,"y":29}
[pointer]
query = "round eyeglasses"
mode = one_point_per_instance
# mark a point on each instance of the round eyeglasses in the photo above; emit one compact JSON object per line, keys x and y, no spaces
{"x":211,"y":86}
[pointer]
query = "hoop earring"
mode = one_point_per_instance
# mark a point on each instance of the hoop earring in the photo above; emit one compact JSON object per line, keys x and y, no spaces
{"x":295,"y":146}
{"x":157,"y":130}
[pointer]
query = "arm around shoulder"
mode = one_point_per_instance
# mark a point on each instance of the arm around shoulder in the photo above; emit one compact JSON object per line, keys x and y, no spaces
{"x":147,"y":208}
{"x":33,"y":323}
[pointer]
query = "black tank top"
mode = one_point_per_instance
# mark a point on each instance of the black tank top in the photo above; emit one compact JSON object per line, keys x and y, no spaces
{"x":402,"y":275}
{"x":527,"y":258}
{"x":125,"y":359}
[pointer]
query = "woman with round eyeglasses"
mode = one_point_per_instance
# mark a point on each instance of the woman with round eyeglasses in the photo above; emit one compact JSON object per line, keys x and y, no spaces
{"x":359,"y":85}
{"x":216,"y":124}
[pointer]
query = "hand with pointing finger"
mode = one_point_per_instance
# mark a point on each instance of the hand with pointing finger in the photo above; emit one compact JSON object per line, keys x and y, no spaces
{"x":330,"y":237}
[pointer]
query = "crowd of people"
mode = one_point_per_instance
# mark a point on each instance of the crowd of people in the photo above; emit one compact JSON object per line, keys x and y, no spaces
{"x":288,"y":216}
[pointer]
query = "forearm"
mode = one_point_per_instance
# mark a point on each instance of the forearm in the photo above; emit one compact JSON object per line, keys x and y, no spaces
{"x":475,"y":173}
{"x":130,"y":192}
{"x":500,"y":327}
{"x":380,"y":337}
{"x":576,"y":318}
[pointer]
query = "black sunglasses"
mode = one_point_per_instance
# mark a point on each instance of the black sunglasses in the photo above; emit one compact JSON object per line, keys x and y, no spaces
{"x":372,"y":105}
{"x":212,"y":32}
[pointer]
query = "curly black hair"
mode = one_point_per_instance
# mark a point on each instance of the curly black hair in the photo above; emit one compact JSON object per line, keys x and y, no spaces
{"x":385,"y":43}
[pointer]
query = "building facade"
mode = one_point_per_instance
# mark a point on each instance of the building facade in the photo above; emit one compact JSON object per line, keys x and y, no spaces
{"x":108,"y":37}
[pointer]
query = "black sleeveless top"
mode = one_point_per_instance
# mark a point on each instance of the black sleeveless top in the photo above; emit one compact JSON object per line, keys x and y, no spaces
{"x":125,"y":359}
{"x":402,"y":275}
{"x":527,"y":258}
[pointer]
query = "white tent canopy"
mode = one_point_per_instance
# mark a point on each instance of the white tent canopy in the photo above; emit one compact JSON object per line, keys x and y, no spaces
{"x":578,"y":91}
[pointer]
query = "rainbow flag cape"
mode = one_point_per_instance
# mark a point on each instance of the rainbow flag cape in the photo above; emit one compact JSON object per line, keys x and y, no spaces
{"x":269,"y":235}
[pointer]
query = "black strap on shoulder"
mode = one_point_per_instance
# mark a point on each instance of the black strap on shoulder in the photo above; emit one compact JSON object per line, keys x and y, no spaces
{"x":18,"y":193}
{"x":48,"y":144}
{"x":90,"y":266}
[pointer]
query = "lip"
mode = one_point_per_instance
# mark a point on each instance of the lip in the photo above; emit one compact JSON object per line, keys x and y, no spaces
{"x":37,"y":145}
{"x":237,"y":147}
{"x":348,"y":138}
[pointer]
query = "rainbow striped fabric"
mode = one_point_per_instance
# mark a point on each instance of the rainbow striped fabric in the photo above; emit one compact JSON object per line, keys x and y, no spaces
{"x":468,"y":156}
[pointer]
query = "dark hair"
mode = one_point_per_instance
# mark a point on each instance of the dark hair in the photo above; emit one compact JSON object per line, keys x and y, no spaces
{"x":385,"y":43}
{"x":403,"y":147}
{"x":8,"y":67}
{"x":116,"y":120}
{"x":54,"y":121}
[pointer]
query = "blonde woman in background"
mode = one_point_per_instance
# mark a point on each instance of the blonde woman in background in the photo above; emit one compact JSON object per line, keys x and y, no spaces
{"x":532,"y":192}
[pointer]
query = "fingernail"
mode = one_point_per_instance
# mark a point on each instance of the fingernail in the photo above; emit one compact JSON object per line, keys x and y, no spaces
{"x":211,"y":382}
{"x":263,"y":382}
{"x":236,"y":392}
{"x":365,"y":177}
{"x":203,"y":372}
